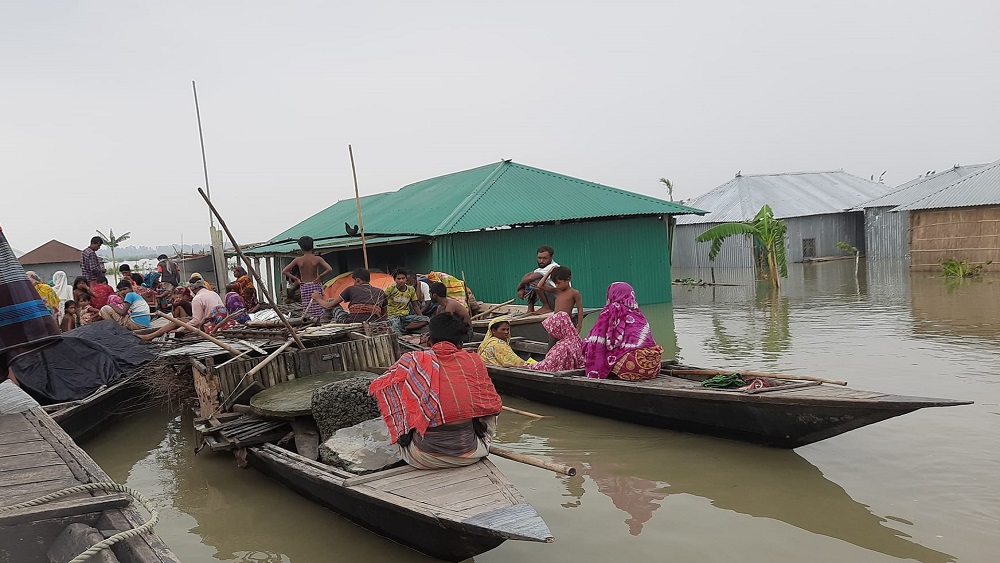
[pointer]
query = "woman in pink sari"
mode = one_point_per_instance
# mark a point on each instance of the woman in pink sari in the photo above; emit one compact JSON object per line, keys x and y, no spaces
{"x":567,"y":352}
{"x":621,"y":342}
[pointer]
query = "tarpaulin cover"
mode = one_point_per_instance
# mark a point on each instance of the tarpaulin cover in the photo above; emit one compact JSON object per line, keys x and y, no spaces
{"x":129,"y":351}
{"x":68,"y":370}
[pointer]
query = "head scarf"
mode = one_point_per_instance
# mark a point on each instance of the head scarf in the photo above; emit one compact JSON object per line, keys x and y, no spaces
{"x":197,"y":275}
{"x":567,"y":353}
{"x":621,"y":327}
{"x":25,"y":321}
{"x":64,"y":292}
{"x":497,"y":351}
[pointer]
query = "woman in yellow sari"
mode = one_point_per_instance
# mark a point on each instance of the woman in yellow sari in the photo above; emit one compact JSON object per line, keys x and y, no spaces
{"x":495,"y":348}
{"x":45,"y":291}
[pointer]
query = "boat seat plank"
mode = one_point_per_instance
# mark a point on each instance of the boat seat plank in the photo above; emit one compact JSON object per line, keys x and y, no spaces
{"x":42,"y":459}
{"x":435,"y":481}
{"x":32,"y":475}
{"x":394,"y":481}
{"x":63,"y":508}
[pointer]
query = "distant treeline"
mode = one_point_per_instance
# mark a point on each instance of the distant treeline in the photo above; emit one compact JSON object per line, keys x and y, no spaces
{"x":137,"y":252}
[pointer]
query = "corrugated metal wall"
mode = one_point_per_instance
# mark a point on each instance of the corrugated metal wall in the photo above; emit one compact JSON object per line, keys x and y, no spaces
{"x":887,"y":234}
{"x":598,"y":253}
{"x":737,"y":252}
{"x":827,"y":230}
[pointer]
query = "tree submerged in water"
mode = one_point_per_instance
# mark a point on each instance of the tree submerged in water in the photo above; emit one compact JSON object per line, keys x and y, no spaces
{"x":851,"y":249}
{"x":767,"y":234}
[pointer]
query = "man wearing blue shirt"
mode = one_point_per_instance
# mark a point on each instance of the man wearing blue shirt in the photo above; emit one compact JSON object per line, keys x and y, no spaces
{"x":133,"y":314}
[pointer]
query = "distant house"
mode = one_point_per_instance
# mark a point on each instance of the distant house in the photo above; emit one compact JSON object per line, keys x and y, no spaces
{"x":960,"y":221}
{"x":485,"y":225}
{"x":887,"y":230}
{"x":51,"y":257}
{"x":816,"y":206}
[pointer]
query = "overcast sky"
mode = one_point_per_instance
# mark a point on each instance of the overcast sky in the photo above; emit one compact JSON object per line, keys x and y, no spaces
{"x":98,"y":129}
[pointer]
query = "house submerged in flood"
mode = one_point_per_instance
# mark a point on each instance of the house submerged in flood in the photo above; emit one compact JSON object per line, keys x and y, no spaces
{"x":816,"y":206}
{"x":485,"y":225}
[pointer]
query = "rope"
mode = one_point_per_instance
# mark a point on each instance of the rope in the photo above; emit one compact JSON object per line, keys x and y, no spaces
{"x":154,"y":515}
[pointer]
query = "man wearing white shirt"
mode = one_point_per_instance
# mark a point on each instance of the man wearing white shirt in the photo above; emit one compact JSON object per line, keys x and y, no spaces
{"x":526,"y":288}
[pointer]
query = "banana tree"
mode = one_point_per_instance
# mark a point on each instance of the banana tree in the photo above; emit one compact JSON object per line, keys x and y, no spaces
{"x":766,"y":232}
{"x":112,"y":242}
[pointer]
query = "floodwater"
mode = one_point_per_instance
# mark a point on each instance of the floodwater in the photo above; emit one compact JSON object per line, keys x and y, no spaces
{"x":922,"y":487}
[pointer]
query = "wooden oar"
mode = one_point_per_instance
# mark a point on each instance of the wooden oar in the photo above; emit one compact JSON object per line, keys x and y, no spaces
{"x":491,"y":309}
{"x":753,"y":374}
{"x":201,"y":333}
{"x":532,"y":460}
{"x":519,"y":411}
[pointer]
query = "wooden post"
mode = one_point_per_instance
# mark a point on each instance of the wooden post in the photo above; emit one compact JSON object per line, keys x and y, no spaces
{"x":201,"y":333}
{"x":357,"y":200}
{"x":253,"y":272}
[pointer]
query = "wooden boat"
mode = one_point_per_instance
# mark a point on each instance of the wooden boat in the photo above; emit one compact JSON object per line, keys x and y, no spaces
{"x":38,"y":458}
{"x":450,"y":514}
{"x":523,"y":324}
{"x":788,"y":414}
{"x":84,"y":418}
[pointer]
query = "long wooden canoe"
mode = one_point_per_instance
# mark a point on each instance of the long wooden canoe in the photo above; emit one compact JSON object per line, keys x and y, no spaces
{"x":84,"y":418}
{"x":38,"y":458}
{"x":788,"y":414}
{"x":523,"y":324}
{"x":451,"y":514}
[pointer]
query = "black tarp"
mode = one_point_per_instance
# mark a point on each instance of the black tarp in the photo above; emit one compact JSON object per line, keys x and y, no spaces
{"x":77,"y":366}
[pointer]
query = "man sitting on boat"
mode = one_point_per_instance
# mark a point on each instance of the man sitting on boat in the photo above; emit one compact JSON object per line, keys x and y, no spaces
{"x":365,"y":303}
{"x":526,"y":288}
{"x":439,"y":406}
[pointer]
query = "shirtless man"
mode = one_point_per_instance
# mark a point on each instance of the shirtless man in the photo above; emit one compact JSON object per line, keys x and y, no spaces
{"x":526,"y":287}
{"x":445,"y":304}
{"x":309,"y":277}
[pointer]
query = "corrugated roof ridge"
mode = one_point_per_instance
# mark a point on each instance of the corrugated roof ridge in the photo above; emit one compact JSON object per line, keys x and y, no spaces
{"x":411,"y":184}
{"x":794,"y":173}
{"x":605,"y":187}
{"x":470,"y":200}
{"x":961,"y":180}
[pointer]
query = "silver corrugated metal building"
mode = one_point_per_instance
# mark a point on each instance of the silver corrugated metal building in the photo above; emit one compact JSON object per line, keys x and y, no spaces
{"x":817,"y":207}
{"x":886,"y":229}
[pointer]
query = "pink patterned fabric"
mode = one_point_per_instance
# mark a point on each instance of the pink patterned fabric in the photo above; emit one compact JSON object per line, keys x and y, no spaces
{"x":621,"y":328}
{"x":568,"y":351}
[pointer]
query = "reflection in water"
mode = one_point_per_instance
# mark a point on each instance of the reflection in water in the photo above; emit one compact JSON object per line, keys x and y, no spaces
{"x":956,"y":307}
{"x":638,"y":473}
{"x":763,"y":327}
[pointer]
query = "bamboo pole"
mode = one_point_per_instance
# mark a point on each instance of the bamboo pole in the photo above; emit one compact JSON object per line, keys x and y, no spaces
{"x":357,"y":200}
{"x":491,"y":309}
{"x":253,"y":272}
{"x":532,"y":460}
{"x":255,"y":369}
{"x":753,"y":374}
{"x":524,"y":413}
{"x":201,"y":333}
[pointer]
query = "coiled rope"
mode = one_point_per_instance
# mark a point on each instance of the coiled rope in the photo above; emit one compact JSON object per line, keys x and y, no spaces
{"x":154,"y":515}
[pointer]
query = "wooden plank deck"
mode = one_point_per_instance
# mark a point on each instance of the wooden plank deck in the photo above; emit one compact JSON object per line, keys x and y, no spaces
{"x":33,"y":462}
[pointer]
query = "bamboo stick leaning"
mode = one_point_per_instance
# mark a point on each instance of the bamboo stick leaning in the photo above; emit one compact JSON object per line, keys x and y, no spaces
{"x":200,"y":333}
{"x":532,"y":460}
{"x":253,"y":272}
{"x":491,"y":309}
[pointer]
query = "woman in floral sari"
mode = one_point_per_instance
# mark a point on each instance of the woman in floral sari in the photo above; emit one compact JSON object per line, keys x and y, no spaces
{"x":567,"y":352}
{"x":621,"y":342}
{"x":495,"y":348}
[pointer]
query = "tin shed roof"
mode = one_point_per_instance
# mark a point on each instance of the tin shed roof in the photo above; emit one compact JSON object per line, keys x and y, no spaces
{"x":792,"y":194}
{"x":496,"y":195}
{"x":981,"y":187}
{"x":52,"y":252}
{"x":921,"y":187}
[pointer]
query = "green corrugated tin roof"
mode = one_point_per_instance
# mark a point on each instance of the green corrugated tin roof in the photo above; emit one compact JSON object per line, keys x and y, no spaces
{"x":495,"y":195}
{"x":292,"y":246}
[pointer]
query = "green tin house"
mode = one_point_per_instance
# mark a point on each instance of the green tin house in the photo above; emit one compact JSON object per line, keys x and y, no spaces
{"x":486,"y":224}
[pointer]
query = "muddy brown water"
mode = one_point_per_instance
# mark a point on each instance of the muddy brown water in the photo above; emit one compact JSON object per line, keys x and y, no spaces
{"x":923,"y":487}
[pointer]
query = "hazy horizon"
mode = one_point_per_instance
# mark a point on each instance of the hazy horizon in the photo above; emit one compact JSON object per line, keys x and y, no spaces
{"x":100,"y":127}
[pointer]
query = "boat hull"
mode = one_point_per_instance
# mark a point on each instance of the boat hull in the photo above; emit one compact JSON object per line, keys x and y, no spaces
{"x":440,"y":538}
{"x":783,"y":419}
{"x":88,"y":417}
